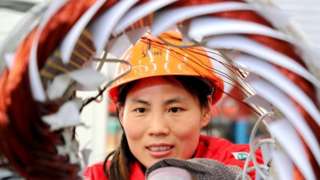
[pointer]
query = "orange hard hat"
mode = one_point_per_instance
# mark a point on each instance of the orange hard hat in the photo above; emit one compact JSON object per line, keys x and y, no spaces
{"x":151,"y":56}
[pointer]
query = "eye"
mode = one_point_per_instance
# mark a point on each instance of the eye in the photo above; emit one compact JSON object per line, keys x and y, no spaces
{"x":175,"y":109}
{"x":139,"y":110}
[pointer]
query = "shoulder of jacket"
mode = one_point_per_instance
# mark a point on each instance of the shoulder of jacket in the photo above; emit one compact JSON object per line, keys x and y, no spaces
{"x":223,"y":149}
{"x":95,"y":172}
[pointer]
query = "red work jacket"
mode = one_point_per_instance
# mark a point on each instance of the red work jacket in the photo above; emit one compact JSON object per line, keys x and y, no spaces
{"x":209,"y":147}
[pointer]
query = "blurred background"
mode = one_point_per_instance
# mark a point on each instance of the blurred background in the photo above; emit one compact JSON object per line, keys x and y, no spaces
{"x":231,"y":119}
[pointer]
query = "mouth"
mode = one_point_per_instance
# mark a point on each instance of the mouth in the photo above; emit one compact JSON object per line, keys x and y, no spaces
{"x":160,"y":150}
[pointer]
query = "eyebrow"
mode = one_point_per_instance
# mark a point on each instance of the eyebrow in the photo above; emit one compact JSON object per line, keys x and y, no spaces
{"x":140,"y":101}
{"x":166,"y":102}
{"x":173,"y":100}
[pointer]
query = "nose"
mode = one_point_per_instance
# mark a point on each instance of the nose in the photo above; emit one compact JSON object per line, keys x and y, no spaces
{"x":158,"y":126}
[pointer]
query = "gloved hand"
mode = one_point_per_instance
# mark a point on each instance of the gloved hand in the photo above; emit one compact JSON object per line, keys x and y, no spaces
{"x":193,"y":169}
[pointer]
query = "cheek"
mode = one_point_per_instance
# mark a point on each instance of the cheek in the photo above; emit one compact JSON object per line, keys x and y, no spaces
{"x":133,"y":129}
{"x":188,"y":133}
{"x":135,"y":132}
{"x":187,"y":139}
{"x":188,"y":125}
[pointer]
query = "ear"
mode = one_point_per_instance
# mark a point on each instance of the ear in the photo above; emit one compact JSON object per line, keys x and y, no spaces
{"x":206,"y":113}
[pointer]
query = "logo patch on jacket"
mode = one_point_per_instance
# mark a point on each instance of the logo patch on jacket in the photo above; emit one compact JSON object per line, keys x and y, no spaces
{"x":240,"y":155}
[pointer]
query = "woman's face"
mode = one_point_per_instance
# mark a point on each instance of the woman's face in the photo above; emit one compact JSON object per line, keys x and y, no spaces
{"x":161,"y":120}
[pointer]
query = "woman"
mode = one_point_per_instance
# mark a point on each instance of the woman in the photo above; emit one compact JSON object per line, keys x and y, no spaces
{"x":162,"y":105}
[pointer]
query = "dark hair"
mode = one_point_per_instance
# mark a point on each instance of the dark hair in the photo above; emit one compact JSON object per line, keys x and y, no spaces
{"x":122,"y":157}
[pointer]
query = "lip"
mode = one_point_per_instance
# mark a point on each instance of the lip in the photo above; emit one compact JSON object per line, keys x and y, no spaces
{"x":162,"y":153}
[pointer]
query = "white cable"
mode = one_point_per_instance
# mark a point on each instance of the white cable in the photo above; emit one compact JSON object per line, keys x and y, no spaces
{"x":253,"y":149}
